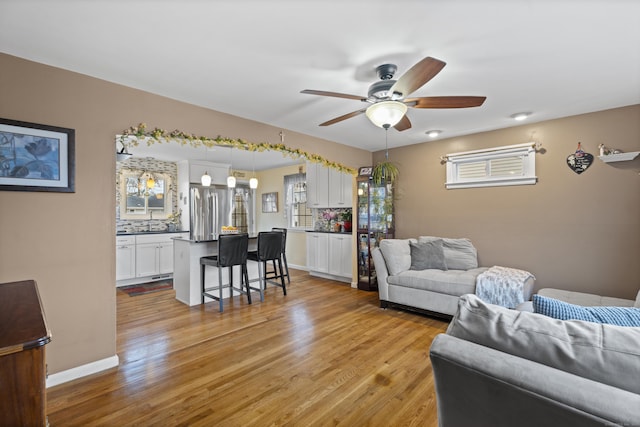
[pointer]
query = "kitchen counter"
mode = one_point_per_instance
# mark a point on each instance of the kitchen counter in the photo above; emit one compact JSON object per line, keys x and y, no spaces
{"x":186,"y":268}
{"x":137,"y":233}
{"x":329,"y":232}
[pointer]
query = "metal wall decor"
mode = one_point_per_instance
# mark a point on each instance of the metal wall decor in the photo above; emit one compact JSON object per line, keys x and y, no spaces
{"x":579,"y":161}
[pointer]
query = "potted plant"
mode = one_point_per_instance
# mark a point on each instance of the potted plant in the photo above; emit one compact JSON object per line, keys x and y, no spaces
{"x":174,"y":220}
{"x":346,"y":219}
{"x":384,"y":172}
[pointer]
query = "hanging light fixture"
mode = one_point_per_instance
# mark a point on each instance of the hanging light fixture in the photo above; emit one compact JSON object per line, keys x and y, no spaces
{"x":386,"y":113}
{"x":253,"y":182}
{"x":231,"y":180}
{"x":205,"y":179}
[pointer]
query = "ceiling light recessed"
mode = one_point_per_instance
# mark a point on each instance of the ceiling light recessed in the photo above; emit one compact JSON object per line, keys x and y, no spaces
{"x":433,"y":133}
{"x":520,"y":116}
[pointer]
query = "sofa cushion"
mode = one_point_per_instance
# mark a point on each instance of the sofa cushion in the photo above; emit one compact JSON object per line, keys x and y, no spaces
{"x":426,"y":255}
{"x":459,"y":254}
{"x":622,"y":316}
{"x":606,"y":353}
{"x":397,"y":254}
{"x":451,"y":282}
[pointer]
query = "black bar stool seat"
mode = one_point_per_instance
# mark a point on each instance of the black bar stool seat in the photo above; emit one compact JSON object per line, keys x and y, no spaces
{"x":269,"y":249}
{"x":232,"y":251}
{"x":284,"y":255}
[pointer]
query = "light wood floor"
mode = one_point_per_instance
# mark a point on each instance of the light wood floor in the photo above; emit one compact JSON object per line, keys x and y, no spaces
{"x":325,"y":354}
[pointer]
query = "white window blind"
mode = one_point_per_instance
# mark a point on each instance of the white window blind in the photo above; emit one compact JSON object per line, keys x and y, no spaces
{"x":510,"y":165}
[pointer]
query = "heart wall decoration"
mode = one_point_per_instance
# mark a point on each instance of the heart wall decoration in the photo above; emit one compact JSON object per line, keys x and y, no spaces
{"x":579,"y":161}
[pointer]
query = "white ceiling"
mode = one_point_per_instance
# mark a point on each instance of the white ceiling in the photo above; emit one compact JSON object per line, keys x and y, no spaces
{"x":252,"y":58}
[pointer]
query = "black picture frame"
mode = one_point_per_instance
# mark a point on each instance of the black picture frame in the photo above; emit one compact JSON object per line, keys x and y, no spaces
{"x":36,"y":157}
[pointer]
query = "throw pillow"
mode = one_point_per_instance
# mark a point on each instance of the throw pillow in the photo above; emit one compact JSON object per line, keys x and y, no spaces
{"x":427,"y":255}
{"x":397,"y":255}
{"x":459,"y":254}
{"x":604,"y":353}
{"x":621,"y":316}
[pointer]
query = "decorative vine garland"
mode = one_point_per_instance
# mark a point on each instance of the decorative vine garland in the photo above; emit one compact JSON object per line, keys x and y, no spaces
{"x":158,"y":135}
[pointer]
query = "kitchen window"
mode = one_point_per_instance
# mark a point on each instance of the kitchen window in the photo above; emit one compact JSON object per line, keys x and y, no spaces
{"x":296,"y":212}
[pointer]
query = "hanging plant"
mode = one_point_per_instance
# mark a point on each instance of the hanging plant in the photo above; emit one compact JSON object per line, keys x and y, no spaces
{"x":384,"y":172}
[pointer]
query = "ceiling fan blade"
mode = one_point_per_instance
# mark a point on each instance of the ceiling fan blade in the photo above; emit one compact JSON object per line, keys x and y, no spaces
{"x":403,"y":124}
{"x":344,"y":117}
{"x":417,"y":76}
{"x":445,"y":101}
{"x":334,"y":94}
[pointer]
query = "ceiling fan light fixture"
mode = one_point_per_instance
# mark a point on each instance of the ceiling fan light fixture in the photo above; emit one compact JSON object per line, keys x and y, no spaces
{"x":433,"y":133}
{"x":386,"y":113}
{"x":520,"y":116}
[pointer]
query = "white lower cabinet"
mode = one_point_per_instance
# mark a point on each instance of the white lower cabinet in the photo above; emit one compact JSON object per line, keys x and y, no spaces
{"x":141,"y":257}
{"x":340,"y":255}
{"x":329,"y":255}
{"x":125,"y":257}
{"x":318,"y":252}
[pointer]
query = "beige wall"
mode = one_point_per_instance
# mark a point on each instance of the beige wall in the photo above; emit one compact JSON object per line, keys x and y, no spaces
{"x":578,"y":232}
{"x":67,"y":241}
{"x":272,"y":181}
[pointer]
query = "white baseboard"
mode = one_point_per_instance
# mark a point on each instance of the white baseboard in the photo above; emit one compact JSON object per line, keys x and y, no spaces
{"x":82,"y":371}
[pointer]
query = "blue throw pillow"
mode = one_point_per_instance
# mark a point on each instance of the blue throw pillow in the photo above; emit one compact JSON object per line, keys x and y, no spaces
{"x":621,"y":316}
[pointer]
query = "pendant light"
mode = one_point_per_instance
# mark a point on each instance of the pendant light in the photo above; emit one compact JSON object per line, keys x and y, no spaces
{"x":206,"y":178}
{"x":253,"y":182}
{"x":231,"y":180}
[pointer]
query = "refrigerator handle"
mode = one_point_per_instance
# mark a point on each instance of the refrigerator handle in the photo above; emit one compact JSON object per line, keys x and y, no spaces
{"x":216,"y":228}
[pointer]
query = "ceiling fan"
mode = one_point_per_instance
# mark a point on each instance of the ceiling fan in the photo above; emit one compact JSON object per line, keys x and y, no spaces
{"x":388,"y":97}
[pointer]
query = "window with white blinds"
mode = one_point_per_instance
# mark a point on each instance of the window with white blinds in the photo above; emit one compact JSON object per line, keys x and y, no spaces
{"x":511,"y":165}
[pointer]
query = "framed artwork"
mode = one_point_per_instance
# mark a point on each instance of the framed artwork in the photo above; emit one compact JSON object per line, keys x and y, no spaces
{"x":270,"y":202}
{"x":36,"y":157}
{"x":365,"y":171}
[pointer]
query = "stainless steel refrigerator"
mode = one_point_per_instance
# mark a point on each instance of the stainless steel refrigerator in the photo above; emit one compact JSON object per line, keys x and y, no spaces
{"x":212,"y":207}
{"x":209,"y":209}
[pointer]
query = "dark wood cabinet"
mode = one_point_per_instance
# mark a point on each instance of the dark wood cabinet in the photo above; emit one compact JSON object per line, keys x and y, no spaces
{"x":375,"y":221}
{"x":23,"y":336}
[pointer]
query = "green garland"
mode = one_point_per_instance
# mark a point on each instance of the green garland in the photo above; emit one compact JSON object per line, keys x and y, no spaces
{"x":159,"y":135}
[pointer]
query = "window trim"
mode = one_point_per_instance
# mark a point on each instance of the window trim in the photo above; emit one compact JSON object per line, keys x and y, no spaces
{"x":525,"y":151}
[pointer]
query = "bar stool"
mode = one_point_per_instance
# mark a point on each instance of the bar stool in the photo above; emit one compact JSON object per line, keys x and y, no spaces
{"x":284,"y":252}
{"x":232,"y":251}
{"x":269,"y":249}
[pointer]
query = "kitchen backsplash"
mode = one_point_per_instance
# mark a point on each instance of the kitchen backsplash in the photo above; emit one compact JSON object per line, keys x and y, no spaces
{"x":153,"y":166}
{"x":330,"y":219}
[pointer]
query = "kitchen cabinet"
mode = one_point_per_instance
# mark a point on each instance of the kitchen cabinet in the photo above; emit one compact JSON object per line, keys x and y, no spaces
{"x":154,"y":254}
{"x":329,"y":255}
{"x":218,"y":172}
{"x":340,"y":254}
{"x":328,"y":187}
{"x":318,"y":252}
{"x":340,"y":191}
{"x":125,"y":257}
{"x":317,"y":186}
{"x":143,"y":257}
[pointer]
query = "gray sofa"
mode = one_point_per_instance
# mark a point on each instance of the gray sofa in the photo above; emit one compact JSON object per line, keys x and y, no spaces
{"x":433,"y":290}
{"x":500,"y":367}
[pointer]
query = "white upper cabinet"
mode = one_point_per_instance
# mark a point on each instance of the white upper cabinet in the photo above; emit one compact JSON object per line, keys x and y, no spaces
{"x":317,"y":186}
{"x":340,"y":189}
{"x":328,"y":188}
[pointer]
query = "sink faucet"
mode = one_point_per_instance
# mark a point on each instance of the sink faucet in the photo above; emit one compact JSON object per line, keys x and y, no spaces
{"x":150,"y":219}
